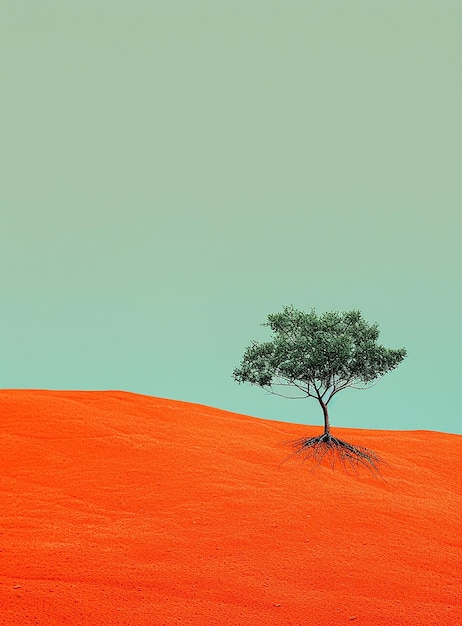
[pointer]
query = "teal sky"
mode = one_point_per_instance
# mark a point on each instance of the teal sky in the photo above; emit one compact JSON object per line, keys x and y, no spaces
{"x":172,"y":172}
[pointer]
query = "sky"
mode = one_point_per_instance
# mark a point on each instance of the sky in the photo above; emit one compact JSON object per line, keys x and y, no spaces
{"x":173,"y":172}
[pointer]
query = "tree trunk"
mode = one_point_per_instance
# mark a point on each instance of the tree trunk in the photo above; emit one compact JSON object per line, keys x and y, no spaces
{"x":326,"y":418}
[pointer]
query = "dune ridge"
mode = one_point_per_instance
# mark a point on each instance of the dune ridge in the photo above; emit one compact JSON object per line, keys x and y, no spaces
{"x":118,"y":508}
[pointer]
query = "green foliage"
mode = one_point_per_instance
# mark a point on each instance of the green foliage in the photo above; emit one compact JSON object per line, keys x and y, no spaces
{"x":318,"y":355}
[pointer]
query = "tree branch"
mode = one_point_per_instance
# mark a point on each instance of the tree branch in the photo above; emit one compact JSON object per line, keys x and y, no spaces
{"x":281,"y":395}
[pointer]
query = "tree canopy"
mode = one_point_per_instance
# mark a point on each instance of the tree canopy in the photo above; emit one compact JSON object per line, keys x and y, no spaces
{"x":317,"y":355}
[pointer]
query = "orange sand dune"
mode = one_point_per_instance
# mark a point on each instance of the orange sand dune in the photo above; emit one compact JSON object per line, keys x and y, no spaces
{"x":125,"y":509}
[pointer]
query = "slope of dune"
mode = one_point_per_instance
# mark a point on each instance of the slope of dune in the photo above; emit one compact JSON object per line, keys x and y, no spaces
{"x":125,"y":509}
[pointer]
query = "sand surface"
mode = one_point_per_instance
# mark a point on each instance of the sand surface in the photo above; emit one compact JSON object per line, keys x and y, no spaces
{"x":118,"y":508}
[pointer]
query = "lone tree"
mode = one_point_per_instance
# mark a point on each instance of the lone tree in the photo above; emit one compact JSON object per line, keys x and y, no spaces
{"x":316,"y":356}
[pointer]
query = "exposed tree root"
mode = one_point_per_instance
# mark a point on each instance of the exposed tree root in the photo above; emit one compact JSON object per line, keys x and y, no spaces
{"x":333,"y":450}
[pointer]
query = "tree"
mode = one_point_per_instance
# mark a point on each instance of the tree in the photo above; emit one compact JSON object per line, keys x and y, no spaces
{"x":316,"y":356}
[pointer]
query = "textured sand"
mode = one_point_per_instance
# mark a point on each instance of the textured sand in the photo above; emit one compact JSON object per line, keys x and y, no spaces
{"x":125,"y":509}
